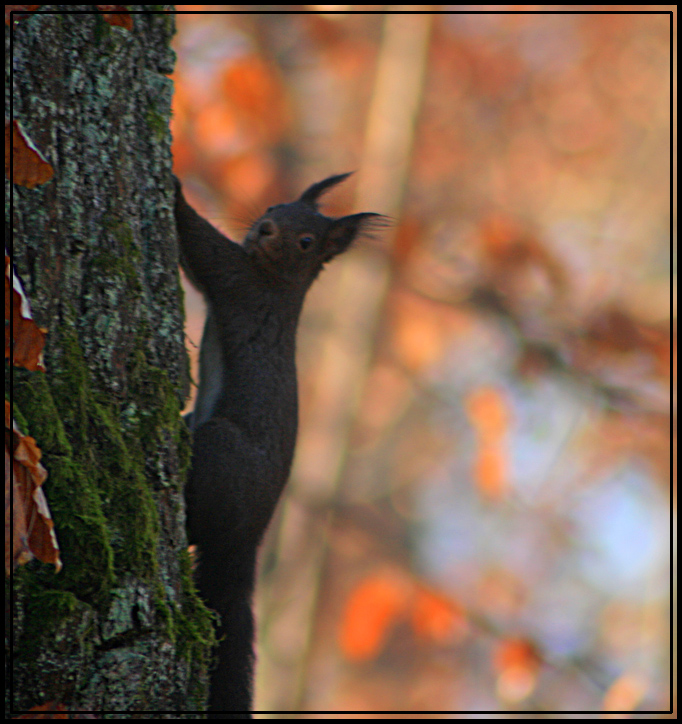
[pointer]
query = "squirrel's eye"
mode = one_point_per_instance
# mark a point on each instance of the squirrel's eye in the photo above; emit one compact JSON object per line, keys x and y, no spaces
{"x":305,"y":242}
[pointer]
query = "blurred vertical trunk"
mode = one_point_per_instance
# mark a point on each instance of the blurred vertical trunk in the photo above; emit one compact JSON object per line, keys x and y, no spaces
{"x":346,"y":352}
{"x":119,"y":628}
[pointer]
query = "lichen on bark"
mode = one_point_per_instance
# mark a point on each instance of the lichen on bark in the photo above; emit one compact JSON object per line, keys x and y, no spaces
{"x":120,"y":628}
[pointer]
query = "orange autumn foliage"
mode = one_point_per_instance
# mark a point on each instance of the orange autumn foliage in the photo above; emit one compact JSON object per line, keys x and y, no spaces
{"x":490,"y":471}
{"x":422,"y":328}
{"x":489,"y":414}
{"x":517,"y":665}
{"x":371,"y":610}
{"x":384,"y":599}
{"x":257,"y":96}
{"x":437,"y":618}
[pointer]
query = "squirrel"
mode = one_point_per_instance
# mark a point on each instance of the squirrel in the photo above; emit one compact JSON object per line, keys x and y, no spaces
{"x":246,"y":413}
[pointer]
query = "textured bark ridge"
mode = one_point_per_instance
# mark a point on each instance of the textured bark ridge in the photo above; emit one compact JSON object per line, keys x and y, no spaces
{"x":120,"y":627}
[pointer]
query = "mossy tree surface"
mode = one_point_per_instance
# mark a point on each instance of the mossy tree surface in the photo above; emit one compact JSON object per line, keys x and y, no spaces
{"x":120,"y":628}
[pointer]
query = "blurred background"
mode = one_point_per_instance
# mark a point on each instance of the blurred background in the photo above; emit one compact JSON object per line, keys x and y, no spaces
{"x":478,"y":515}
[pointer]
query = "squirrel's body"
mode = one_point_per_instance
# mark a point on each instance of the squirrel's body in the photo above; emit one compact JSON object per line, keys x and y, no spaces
{"x":246,"y":413}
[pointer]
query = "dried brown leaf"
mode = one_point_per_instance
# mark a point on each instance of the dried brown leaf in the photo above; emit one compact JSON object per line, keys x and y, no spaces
{"x":117,"y":15}
{"x":34,"y":527}
{"x":18,"y":16}
{"x":24,"y":339}
{"x":49,"y":710}
{"x":17,"y":551}
{"x":29,"y":166}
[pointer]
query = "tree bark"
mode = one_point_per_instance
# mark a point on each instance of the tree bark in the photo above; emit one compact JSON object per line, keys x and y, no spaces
{"x":119,"y":628}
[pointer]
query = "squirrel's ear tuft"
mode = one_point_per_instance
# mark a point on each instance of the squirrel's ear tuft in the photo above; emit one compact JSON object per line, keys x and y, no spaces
{"x":346,"y":229}
{"x":311,"y":195}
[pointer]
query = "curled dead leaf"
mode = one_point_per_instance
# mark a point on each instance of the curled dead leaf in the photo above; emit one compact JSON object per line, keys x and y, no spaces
{"x":28,"y":165}
{"x":33,"y":527}
{"x":24,"y":339}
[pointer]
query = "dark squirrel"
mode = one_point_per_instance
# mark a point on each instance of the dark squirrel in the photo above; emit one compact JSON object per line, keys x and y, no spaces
{"x":246,"y":413}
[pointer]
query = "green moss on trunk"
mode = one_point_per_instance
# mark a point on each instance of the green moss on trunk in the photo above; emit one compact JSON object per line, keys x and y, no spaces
{"x":120,"y":627}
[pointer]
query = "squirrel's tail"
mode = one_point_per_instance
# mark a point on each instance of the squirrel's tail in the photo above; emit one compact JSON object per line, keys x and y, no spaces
{"x":229,"y":592}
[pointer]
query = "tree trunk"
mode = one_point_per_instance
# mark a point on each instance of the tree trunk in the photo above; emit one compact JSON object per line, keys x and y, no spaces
{"x":119,"y":628}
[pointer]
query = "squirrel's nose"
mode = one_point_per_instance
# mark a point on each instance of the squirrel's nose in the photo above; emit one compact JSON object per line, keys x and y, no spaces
{"x":267,"y":228}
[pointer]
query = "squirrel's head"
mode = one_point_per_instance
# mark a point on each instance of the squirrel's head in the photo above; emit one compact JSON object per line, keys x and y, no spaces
{"x":293,"y":241}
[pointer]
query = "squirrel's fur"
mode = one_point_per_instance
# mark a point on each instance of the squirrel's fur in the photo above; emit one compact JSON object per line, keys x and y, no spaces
{"x":245,"y":417}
